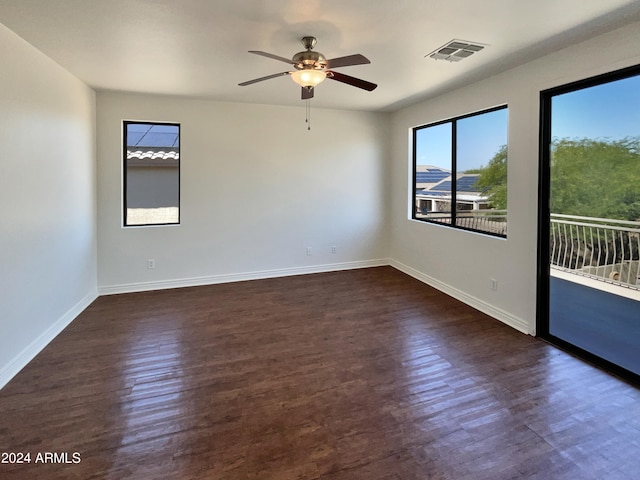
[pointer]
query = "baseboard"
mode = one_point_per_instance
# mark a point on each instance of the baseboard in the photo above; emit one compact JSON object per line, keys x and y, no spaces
{"x":505,"y":317}
{"x":10,"y":370}
{"x":238,"y":277}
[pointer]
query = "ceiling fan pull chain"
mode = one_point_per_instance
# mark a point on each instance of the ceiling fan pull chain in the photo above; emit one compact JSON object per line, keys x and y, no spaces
{"x":308,"y":119}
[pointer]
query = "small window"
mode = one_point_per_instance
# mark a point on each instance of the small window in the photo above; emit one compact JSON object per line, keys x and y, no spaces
{"x":151,"y":173}
{"x":460,"y":172}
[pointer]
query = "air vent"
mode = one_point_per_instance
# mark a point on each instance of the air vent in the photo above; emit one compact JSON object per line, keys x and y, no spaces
{"x":456,"y":50}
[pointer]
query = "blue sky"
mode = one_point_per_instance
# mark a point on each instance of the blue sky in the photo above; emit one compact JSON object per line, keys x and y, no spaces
{"x":609,"y":112}
{"x":479,"y":138}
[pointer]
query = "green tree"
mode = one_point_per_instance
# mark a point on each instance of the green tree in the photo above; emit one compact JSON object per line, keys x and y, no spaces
{"x":493,"y":179}
{"x":590,"y":178}
{"x":596,"y":178}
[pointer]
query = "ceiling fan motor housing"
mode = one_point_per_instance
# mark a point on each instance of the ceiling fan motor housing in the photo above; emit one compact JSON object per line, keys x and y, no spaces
{"x":307,"y":60}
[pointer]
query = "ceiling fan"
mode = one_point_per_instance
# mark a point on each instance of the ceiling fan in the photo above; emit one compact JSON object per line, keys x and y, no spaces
{"x":311,"y":68}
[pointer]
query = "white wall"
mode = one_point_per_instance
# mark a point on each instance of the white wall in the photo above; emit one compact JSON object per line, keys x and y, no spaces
{"x":257,"y":188}
{"x":47,"y":193}
{"x":462,"y":263}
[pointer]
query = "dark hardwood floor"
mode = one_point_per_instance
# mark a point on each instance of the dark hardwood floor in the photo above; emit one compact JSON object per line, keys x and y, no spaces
{"x":363,"y":374}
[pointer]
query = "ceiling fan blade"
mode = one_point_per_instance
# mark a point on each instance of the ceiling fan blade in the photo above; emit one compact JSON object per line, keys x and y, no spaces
{"x":268,"y":77}
{"x":356,"y":59}
{"x":271,"y":55}
{"x":307,"y":93}
{"x":349,"y":80}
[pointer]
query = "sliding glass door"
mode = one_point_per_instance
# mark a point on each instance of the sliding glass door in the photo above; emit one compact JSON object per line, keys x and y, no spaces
{"x":589,"y":272}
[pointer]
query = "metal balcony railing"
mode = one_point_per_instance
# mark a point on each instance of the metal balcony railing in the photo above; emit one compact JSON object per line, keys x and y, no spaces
{"x":490,"y":221}
{"x":599,"y":248}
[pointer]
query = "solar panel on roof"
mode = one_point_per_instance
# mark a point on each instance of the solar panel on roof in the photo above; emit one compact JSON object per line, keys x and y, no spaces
{"x":133,"y":138}
{"x":158,"y":139}
{"x":467,"y":183}
{"x":431,"y":193}
{"x":431,"y":176}
{"x":152,"y":135}
{"x":138,"y":127}
{"x":443,"y":187}
{"x":159,"y":128}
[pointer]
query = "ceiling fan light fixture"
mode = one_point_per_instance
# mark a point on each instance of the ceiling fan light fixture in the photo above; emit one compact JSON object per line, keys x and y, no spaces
{"x":308,"y":77}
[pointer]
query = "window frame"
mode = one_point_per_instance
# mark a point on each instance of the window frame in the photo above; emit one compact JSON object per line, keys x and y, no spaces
{"x":454,"y":170}
{"x":125,"y":124}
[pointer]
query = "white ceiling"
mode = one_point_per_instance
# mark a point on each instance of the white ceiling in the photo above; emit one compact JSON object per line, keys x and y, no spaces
{"x":198,"y":48}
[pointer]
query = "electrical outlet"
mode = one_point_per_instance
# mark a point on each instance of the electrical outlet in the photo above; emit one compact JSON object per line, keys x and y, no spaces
{"x":309,"y":251}
{"x":334,"y":249}
{"x":151,"y":264}
{"x":493,"y":285}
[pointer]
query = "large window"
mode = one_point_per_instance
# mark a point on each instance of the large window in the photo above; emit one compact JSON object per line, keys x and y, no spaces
{"x":151,"y":173}
{"x":460,"y":172}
